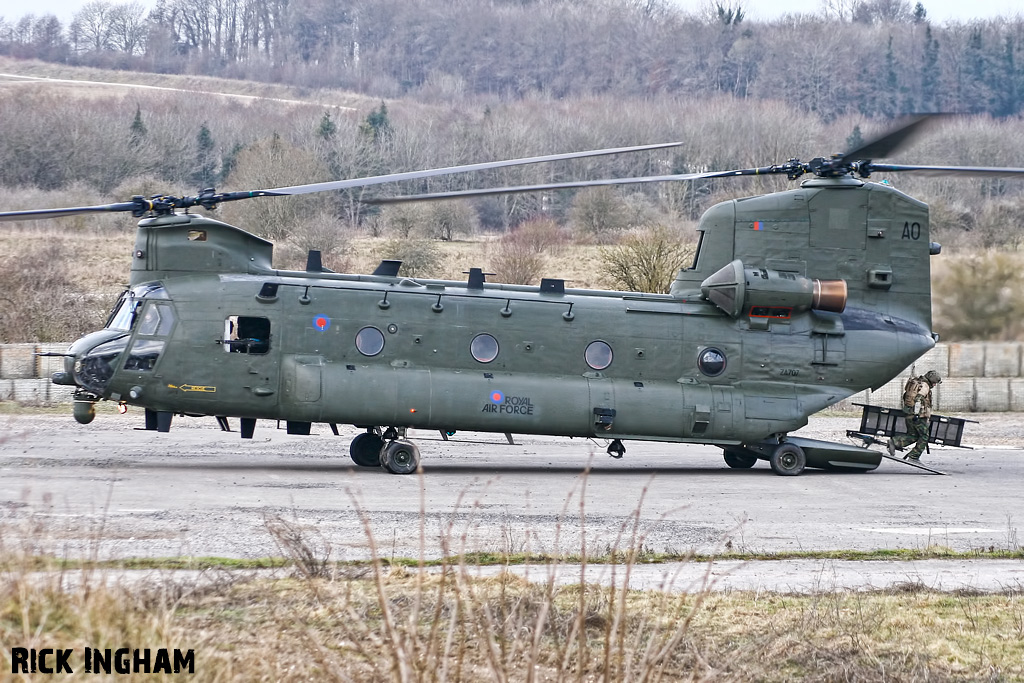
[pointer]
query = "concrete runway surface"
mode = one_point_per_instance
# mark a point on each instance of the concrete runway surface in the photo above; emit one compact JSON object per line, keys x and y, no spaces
{"x":110,"y":490}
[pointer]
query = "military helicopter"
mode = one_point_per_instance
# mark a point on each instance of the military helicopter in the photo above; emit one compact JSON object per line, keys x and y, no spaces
{"x":794,"y":301}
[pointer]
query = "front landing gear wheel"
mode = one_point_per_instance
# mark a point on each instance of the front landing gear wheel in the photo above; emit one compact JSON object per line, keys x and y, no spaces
{"x":400,"y":457}
{"x":739,"y":460}
{"x":788,"y":460}
{"x":365,"y":450}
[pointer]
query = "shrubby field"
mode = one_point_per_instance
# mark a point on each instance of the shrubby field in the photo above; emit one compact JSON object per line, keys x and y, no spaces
{"x":66,"y":145}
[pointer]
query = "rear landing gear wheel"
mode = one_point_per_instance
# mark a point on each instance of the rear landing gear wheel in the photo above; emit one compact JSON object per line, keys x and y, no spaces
{"x":739,"y":460}
{"x":788,"y":460}
{"x":400,"y":457}
{"x":365,"y":450}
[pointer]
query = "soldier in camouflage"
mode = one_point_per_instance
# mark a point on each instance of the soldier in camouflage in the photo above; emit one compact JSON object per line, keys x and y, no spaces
{"x":917,"y":404}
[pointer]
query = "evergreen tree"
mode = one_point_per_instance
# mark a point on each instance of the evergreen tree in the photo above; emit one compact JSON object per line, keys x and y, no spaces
{"x":977,"y":97}
{"x":855,"y":140}
{"x":892,"y":83}
{"x":930,"y":72}
{"x":137,"y":131}
{"x":230,"y":161}
{"x":377,"y":125}
{"x":327,"y":127}
{"x":920,"y":13}
{"x":1008,"y":98}
{"x":728,"y":15}
{"x":205,"y":174}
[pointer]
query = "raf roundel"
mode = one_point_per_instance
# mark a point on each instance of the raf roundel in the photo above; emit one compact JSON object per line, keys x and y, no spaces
{"x":497,"y":397}
{"x":321,"y":322}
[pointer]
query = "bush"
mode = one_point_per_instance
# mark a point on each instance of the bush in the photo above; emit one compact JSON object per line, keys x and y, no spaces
{"x":445,"y":220}
{"x":400,"y":220}
{"x":520,"y":255}
{"x":600,"y":213}
{"x":420,"y":258}
{"x":516,"y":262}
{"x":322,"y":232}
{"x":646,"y":261}
{"x":542,"y":235}
{"x":980,"y":297}
{"x":39,"y":302}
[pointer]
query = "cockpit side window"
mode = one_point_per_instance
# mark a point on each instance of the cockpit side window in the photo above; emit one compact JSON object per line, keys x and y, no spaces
{"x":144,"y":355}
{"x":157,"y":320}
{"x":246,"y":334}
{"x":696,"y":252}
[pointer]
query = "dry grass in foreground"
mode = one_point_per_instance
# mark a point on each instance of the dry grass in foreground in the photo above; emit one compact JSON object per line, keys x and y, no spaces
{"x":376,"y":622}
{"x":409,"y":626}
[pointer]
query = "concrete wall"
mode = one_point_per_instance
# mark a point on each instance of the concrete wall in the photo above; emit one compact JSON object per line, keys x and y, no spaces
{"x":977,"y":377}
{"x":25,"y":376}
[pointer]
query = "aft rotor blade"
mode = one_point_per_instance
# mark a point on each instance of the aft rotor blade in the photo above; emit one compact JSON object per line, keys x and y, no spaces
{"x":59,"y":213}
{"x":416,"y":175}
{"x":521,"y":189}
{"x":891,"y":141}
{"x":938,"y":171}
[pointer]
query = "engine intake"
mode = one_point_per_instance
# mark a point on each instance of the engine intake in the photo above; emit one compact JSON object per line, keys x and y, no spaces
{"x":736,"y":288}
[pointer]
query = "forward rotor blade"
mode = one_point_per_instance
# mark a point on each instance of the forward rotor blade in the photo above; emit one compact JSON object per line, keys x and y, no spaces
{"x":939,"y":171}
{"x":891,"y":141}
{"x":488,"y":191}
{"x":209,"y":199}
{"x":59,"y":213}
{"x":521,"y":189}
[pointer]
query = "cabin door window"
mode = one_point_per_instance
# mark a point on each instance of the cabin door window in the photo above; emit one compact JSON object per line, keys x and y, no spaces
{"x":246,"y":334}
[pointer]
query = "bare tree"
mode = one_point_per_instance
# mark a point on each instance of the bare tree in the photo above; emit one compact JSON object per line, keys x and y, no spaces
{"x":882,"y":11}
{"x":838,"y":9}
{"x":91,"y":26}
{"x":276,"y":163}
{"x":128,"y":27}
{"x":600,"y":213}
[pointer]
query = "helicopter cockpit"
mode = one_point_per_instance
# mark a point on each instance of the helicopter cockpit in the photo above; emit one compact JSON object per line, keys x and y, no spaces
{"x":125,"y":312}
{"x":91,"y":361}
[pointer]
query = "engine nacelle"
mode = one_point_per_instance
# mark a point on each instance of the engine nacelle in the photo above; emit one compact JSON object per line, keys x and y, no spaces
{"x":737,"y":289}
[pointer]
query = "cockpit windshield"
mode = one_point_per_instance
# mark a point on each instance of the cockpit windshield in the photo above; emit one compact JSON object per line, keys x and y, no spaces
{"x":123,"y":315}
{"x":128,"y":306}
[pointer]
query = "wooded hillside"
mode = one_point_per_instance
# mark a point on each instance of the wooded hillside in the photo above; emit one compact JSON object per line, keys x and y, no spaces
{"x":369,"y":88}
{"x":867,"y":57}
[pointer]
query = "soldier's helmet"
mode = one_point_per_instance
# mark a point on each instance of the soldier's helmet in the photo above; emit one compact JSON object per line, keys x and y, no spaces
{"x":933,"y":377}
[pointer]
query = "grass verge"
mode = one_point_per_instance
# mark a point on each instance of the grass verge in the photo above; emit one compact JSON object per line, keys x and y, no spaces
{"x":492,"y":559}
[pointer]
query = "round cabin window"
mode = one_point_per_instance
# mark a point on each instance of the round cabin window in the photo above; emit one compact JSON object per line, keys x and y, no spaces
{"x":484,"y":348}
{"x":598,"y":355}
{"x":711,"y":362}
{"x":370,"y":341}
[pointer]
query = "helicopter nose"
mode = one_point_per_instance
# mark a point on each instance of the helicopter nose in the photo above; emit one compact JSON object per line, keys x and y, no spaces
{"x":64,"y":378}
{"x":92,"y":360}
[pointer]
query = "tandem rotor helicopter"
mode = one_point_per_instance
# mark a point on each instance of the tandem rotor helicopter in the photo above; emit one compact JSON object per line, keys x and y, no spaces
{"x":794,"y":301}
